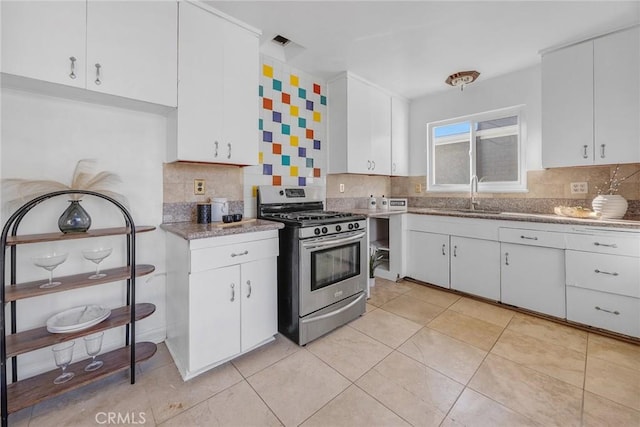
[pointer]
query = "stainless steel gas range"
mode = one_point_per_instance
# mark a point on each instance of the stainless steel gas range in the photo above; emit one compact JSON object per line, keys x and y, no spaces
{"x":322,"y":266}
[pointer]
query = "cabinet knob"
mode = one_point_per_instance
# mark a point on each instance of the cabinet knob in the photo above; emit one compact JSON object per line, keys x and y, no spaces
{"x":215,"y":149}
{"x":368,"y":165}
{"x":585,"y":155}
{"x":233,"y":292}
{"x":72,"y":75}
{"x":97,"y":80}
{"x":229,"y":153}
{"x":374,"y":165}
{"x":602,"y":148}
{"x":443,"y":247}
{"x":506,"y":258}
{"x":455,"y":251}
{"x":249,"y":290}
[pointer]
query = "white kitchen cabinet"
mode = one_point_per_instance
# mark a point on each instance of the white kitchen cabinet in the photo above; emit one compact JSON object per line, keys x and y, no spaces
{"x":475,"y":267}
{"x":399,"y":137}
{"x":45,"y":40}
{"x":132,"y":49}
{"x":591,"y":102}
{"x":359,"y":127}
{"x":222,"y":298}
{"x":127,"y":49}
{"x":217,"y":116}
{"x":428,"y":257}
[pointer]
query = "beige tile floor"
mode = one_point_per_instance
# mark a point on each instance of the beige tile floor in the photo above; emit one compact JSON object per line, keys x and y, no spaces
{"x":419,"y":356}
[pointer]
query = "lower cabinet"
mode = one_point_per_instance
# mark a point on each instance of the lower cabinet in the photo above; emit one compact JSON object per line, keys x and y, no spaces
{"x":221,"y":298}
{"x":475,"y":267}
{"x":428,"y":257}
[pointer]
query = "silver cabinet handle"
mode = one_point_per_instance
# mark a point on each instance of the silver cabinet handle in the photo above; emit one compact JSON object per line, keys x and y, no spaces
{"x":233,"y":255}
{"x":249,"y":284}
{"x":528,"y":238}
{"x":584,"y":153}
{"x":607,"y":245}
{"x":229,"y":154}
{"x":616,"y":312}
{"x":233,"y":292}
{"x":506,"y":258}
{"x":455,"y":251}
{"x":374,"y":165}
{"x":368,"y":165}
{"x":98,"y":81}
{"x":602,"y":156}
{"x":605,"y":272}
{"x":72,"y":75}
{"x":215,"y":153}
{"x":443,"y":246}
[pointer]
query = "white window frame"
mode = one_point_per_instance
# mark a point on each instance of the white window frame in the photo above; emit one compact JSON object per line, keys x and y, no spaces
{"x":484,"y":187}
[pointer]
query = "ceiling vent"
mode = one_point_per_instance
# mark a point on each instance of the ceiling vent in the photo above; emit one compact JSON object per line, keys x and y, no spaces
{"x":281,"y":40}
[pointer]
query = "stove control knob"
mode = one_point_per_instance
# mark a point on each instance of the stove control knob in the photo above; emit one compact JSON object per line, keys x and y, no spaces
{"x":356,"y":225}
{"x":350,"y":226}
{"x":338,"y":228}
{"x":324,"y":230}
{"x":281,"y":192}
{"x":316,"y":231}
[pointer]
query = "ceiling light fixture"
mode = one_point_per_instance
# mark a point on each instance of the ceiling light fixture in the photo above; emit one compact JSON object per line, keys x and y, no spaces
{"x":462,"y":78}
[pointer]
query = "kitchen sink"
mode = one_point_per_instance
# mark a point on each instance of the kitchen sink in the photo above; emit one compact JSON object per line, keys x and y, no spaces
{"x":469,"y":211}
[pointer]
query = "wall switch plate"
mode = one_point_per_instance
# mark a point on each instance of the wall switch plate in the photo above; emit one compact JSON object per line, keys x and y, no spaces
{"x":342,"y":188}
{"x":198,"y":187}
{"x":579,"y":188}
{"x":418,"y":188}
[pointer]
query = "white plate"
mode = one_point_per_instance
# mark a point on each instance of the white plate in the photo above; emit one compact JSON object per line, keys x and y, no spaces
{"x":77,"y":319}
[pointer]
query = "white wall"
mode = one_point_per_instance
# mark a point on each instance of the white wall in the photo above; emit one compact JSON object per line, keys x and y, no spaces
{"x":42,"y":138}
{"x":520,"y":87}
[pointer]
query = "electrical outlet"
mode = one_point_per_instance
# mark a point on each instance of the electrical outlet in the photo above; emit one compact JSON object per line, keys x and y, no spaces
{"x":579,"y":188}
{"x":342,"y":188}
{"x":198,"y":187}
{"x":418,"y":188}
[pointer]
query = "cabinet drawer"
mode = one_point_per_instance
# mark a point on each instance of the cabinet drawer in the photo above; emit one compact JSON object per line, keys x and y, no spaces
{"x":601,"y":272}
{"x":607,"y":311}
{"x":220,"y":256}
{"x":548,"y":239}
{"x":605,"y":243}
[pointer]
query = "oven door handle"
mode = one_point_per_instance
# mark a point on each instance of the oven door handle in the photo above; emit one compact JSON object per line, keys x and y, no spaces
{"x":332,"y":242}
{"x":333,"y":313}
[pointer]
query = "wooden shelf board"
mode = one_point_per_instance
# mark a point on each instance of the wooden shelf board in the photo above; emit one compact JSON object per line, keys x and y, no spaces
{"x":30,"y":391}
{"x":50,"y":237}
{"x":34,"y":339}
{"x":33,"y":289}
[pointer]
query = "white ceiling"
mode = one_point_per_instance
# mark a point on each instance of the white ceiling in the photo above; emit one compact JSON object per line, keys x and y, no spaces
{"x":410,"y":47}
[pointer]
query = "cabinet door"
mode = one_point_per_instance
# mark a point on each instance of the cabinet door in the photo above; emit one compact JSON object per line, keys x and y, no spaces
{"x":533,"y":278}
{"x":240,"y":95}
{"x":567,"y":106}
{"x":380,"y":124}
{"x":259,"y":318}
{"x":40,"y":37}
{"x":399,"y":137}
{"x":135,"y":45}
{"x":214,"y":316}
{"x":359,"y":127}
{"x":428,"y":257}
{"x":617,"y":97}
{"x":475,"y":267}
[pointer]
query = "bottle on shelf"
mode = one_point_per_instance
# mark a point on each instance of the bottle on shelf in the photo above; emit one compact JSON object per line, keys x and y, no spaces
{"x":372,"y":203}
{"x":384,"y":203}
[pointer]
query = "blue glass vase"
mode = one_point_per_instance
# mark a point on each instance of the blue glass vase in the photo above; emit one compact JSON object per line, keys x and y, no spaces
{"x":74,"y":219}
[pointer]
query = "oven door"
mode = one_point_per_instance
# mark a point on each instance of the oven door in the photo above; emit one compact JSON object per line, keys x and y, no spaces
{"x":332,"y":268}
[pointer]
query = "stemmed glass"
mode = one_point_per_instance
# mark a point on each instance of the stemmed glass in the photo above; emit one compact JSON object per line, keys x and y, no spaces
{"x":49,"y":263}
{"x":96,"y":256}
{"x":93,"y":344}
{"x":63,"y":353}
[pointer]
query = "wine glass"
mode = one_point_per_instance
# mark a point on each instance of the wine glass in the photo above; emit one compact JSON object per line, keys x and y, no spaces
{"x":49,"y":263}
{"x":63,"y":353}
{"x":96,"y":256}
{"x":93,"y":343}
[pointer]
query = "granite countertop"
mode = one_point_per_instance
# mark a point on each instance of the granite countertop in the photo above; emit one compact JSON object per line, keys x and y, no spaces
{"x":192,"y":230}
{"x":506,"y":216}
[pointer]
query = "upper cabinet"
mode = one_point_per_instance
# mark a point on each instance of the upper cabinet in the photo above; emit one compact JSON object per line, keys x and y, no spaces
{"x":591,"y":102}
{"x":359,"y":127}
{"x":399,"y":137}
{"x":217,"y":116}
{"x":127,"y":49}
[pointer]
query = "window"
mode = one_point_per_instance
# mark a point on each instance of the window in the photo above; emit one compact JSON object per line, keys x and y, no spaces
{"x":487,"y":145}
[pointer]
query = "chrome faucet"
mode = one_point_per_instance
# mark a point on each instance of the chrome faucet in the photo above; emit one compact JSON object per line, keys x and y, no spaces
{"x":473,"y":192}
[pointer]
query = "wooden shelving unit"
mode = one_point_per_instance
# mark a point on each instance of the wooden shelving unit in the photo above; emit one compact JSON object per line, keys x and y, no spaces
{"x":26,"y":392}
